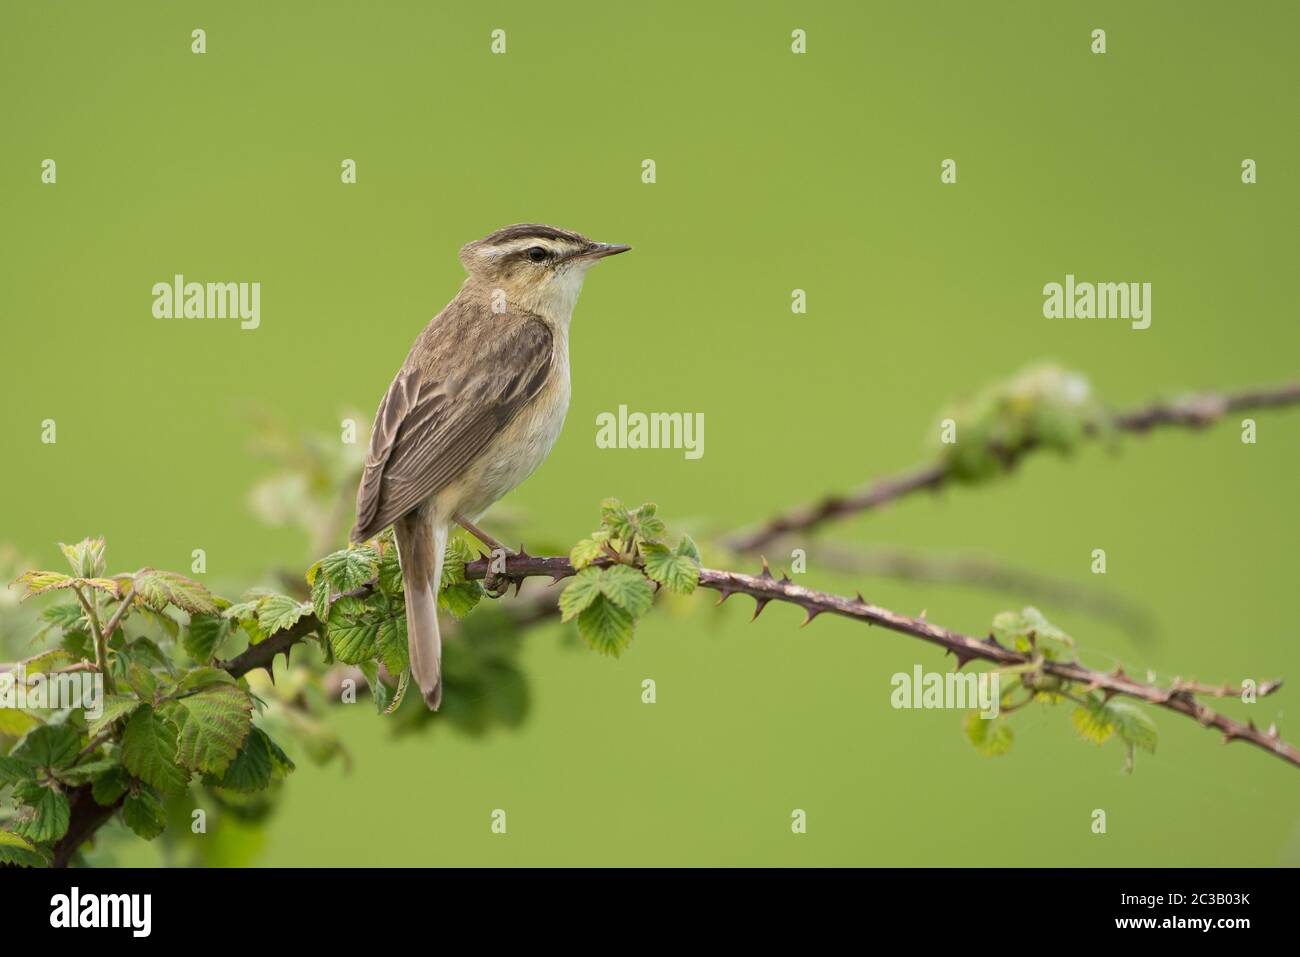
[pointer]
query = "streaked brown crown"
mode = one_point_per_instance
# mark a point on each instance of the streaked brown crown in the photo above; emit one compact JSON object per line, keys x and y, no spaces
{"x":510,"y":234}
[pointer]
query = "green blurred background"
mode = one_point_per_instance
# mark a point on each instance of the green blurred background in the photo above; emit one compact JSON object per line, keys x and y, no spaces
{"x":775,"y":171}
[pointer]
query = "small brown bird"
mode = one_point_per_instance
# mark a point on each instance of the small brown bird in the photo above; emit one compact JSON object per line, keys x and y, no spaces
{"x":475,"y":408}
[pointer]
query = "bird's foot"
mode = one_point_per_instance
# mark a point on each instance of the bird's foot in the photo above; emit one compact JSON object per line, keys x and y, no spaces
{"x":497,"y":582}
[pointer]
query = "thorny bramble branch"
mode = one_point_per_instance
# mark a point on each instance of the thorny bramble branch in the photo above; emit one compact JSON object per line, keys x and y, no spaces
{"x":764,"y":588}
{"x":1195,"y":411}
{"x":1030,"y":587}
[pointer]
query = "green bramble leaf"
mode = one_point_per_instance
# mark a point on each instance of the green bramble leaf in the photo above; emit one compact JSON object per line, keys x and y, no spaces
{"x":348,"y":569}
{"x":78,"y":644}
{"x":247,"y":613}
{"x":278,"y":612}
{"x":645,"y":523}
{"x":16,"y":849}
{"x":626,"y":587}
{"x":321,"y":593}
{"x":650,"y":527}
{"x":164,"y":621}
{"x":460,"y":599}
{"x":1092,"y":721}
{"x":157,"y":589}
{"x":1097,"y":720}
{"x":109,"y":788}
{"x":1027,"y":629}
{"x":607,"y":600}
{"x":86,"y":557}
{"x":1009,"y":629}
{"x":1043,"y":630}
{"x":144,"y":814}
{"x":47,"y":661}
{"x":201,"y":677}
{"x":113,"y":707}
{"x":392,"y":644}
{"x":88,"y":771}
{"x":580,"y":591}
{"x":45,"y":815}
{"x":586,"y":552}
{"x":675,"y":569}
{"x":351,"y":634}
{"x":454,"y":558}
{"x":1048,"y":697}
{"x":380,"y":691}
{"x":990,"y":736}
{"x":626,"y":526}
{"x":656,"y":558}
{"x":258,"y":763}
{"x":1042,"y":405}
{"x":398,"y":695}
{"x":149,"y":590}
{"x":605,"y":626}
{"x":38,"y":583}
{"x":147,"y":653}
{"x":622,"y":585}
{"x":211,"y":726}
{"x":253,"y":630}
{"x":1133,"y":724}
{"x":50,"y":746}
{"x":69,"y":620}
{"x":142,"y":681}
{"x":614,"y":518}
{"x":244,"y":614}
{"x":457,"y":594}
{"x":281,"y":765}
{"x":65,"y":617}
{"x":14,"y":769}
{"x":390,"y":572}
{"x":205,"y":636}
{"x":149,"y":751}
{"x":243,"y":610}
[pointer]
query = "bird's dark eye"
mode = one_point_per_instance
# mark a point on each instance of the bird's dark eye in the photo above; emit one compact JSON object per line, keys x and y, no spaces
{"x":537,"y":254}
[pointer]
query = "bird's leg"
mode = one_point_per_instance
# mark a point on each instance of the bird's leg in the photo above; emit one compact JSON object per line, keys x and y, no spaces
{"x":492,"y":544}
{"x":492,"y":582}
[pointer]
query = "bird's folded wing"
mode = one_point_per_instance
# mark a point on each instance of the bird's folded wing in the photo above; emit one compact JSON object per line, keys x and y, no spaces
{"x":432,"y":425}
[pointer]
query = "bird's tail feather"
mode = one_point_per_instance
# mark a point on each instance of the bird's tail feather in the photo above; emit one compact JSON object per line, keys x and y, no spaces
{"x":421,"y":540}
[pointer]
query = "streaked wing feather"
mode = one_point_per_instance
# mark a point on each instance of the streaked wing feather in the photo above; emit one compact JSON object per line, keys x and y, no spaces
{"x":393,"y":409}
{"x":429,"y":430}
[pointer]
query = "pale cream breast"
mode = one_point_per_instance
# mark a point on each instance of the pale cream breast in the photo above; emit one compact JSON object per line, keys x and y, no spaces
{"x":518,"y":450}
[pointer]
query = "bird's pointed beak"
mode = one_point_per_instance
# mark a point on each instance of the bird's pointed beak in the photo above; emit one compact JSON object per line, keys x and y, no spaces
{"x":601,"y":250}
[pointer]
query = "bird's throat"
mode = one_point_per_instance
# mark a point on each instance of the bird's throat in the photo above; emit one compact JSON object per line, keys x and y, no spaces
{"x":555,"y":300}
